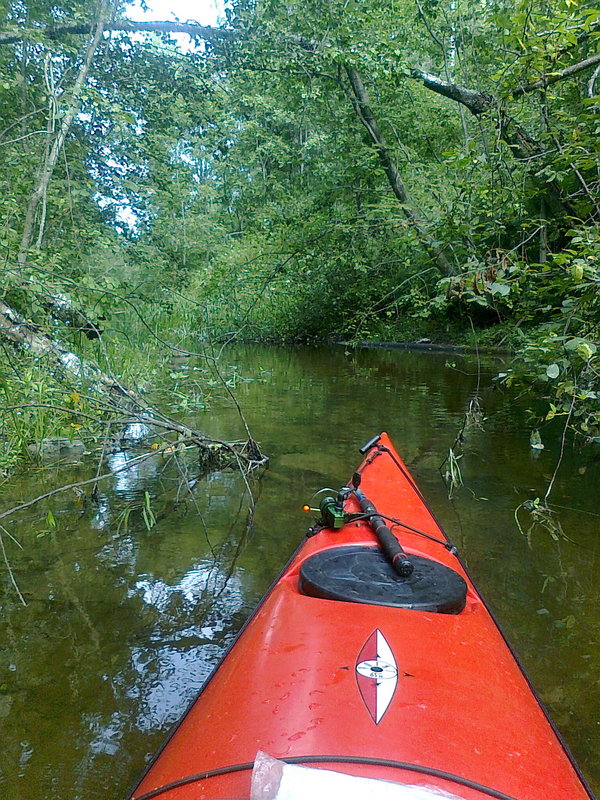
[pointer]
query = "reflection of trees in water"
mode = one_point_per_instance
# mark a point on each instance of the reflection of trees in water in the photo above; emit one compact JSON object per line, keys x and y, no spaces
{"x":166,"y":673}
{"x":123,"y":627}
{"x":163,"y":673}
{"x":156,"y":650}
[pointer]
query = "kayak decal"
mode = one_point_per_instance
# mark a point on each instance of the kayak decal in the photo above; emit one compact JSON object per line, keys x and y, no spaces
{"x":376,"y":675}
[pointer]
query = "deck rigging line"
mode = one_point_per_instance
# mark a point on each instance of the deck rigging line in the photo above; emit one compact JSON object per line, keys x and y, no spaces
{"x":377,"y":762}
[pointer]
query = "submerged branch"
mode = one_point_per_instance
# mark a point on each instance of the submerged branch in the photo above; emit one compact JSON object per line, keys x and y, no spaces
{"x":8,"y":566}
{"x":231,"y":450}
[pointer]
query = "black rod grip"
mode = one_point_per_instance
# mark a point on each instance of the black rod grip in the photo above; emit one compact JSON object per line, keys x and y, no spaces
{"x":368,"y":445}
{"x":388,"y":542}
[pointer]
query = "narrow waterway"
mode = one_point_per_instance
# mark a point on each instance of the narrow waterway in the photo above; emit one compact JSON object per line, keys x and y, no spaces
{"x":126,"y":618}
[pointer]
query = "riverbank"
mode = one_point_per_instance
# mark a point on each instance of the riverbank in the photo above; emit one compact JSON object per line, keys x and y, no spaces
{"x":427,"y":346}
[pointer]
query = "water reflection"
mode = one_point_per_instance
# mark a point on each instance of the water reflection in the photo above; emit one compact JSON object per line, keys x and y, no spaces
{"x":130,"y":478}
{"x":124,"y":624}
{"x":198,"y":582}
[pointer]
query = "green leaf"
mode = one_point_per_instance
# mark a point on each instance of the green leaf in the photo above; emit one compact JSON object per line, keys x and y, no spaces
{"x":500,"y":288}
{"x":552,"y":371}
{"x":586,"y":350}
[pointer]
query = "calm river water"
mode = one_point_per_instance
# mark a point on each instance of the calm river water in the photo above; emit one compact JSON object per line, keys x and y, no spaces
{"x":124,"y":624}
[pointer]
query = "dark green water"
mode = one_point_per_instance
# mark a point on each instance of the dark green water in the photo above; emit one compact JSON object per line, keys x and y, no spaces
{"x":123,"y":625}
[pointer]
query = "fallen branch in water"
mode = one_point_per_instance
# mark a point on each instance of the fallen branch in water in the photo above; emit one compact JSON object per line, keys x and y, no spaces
{"x":117,"y":398}
{"x":228,"y":453}
{"x":8,"y":567}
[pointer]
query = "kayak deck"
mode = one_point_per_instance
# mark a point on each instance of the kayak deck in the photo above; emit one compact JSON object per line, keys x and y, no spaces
{"x":374,"y":690}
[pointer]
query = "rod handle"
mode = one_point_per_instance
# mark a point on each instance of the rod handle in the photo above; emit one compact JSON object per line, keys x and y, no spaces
{"x":388,"y":542}
{"x":368,"y":445}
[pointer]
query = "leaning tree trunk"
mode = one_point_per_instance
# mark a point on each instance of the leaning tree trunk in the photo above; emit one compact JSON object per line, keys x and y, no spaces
{"x":360,"y":102}
{"x":45,"y":174}
{"x":30,"y":337}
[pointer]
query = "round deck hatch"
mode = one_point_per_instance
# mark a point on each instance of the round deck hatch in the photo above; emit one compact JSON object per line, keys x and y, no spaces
{"x":359,"y":574}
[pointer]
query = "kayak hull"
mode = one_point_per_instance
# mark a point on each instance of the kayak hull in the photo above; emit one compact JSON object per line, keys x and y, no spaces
{"x":399,"y":694}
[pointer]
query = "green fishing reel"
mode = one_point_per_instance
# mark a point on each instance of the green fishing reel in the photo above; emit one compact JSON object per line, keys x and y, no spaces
{"x":332,"y":513}
{"x":331,"y":508}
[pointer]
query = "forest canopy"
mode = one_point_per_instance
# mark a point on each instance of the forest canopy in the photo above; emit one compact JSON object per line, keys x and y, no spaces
{"x":307,"y":171}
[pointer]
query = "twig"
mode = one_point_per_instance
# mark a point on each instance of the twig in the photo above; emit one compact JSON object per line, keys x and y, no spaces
{"x":8,"y":567}
{"x":135,"y":460}
{"x":562,"y":450}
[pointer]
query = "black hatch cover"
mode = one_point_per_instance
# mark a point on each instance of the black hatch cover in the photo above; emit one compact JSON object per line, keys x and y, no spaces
{"x":359,"y":574}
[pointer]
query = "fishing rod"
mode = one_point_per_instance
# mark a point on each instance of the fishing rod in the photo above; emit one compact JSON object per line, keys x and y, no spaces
{"x":334,"y":516}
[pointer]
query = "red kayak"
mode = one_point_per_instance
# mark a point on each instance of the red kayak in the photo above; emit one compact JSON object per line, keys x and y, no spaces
{"x":372,"y":655}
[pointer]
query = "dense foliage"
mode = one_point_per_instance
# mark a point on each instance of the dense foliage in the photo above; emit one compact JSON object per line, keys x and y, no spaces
{"x":319,"y":170}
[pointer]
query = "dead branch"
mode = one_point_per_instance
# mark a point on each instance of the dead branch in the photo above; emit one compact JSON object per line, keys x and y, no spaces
{"x":8,"y":567}
{"x":60,"y":307}
{"x":476,"y":102}
{"x":165,"y":449}
{"x":124,"y":26}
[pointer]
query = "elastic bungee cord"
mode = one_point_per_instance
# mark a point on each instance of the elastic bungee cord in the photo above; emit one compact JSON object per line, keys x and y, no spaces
{"x":398,"y":523}
{"x":376,"y":762}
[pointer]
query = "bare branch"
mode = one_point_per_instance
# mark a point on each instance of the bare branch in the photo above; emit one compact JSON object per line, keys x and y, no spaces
{"x":521,"y":144}
{"x":125,"y":26}
{"x":60,"y":307}
{"x":554,"y":77}
{"x":128,"y":464}
{"x":591,"y":87}
{"x":8,"y":567}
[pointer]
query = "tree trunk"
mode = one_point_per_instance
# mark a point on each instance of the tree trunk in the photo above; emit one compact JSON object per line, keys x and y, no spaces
{"x":28,"y":336}
{"x":45,"y":174}
{"x":60,"y":308}
{"x":360,"y":102}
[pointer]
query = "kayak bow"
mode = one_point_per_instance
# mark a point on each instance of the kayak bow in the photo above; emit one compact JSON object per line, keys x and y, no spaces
{"x":393,"y":674}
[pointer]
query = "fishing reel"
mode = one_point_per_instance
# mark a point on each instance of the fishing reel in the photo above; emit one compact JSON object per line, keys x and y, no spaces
{"x":331,"y":508}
